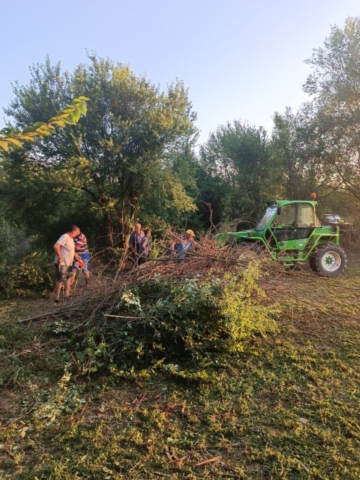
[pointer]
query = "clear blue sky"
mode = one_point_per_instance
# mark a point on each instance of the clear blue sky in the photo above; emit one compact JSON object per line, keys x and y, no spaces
{"x":240,"y":59}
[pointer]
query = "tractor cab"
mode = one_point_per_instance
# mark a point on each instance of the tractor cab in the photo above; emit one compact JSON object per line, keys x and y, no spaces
{"x":288,"y":225}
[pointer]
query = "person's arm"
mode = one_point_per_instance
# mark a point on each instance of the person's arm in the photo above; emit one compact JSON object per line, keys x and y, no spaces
{"x":144,"y":244}
{"x":132,"y":244}
{"x":78,"y":246}
{"x":176,"y":240}
{"x":58,"y":252}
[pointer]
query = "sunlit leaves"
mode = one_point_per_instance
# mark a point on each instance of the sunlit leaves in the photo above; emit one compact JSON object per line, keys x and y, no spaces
{"x":70,"y":115}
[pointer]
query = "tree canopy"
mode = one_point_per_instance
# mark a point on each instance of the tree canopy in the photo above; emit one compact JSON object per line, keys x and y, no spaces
{"x":334,"y":88}
{"x":237,"y":156}
{"x":134,"y":156}
{"x":122,"y":153}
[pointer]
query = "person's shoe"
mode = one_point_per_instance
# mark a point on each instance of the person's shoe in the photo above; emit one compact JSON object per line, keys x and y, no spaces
{"x":56,"y":300}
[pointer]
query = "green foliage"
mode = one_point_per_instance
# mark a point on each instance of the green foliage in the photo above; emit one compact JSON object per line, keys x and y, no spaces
{"x":23,"y":271}
{"x":242,"y":308}
{"x":181,"y":321}
{"x":70,"y":115}
{"x":64,"y":398}
{"x":294,"y":173}
{"x":335,"y":107}
{"x":26,"y":276}
{"x":10,"y":237}
{"x":235,"y":161}
{"x":120,"y":156}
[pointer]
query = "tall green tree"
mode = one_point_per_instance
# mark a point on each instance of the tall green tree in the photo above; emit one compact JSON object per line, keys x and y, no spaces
{"x":235,"y":159}
{"x":20,"y":184}
{"x":121,"y":153}
{"x":294,"y":166}
{"x":334,"y":88}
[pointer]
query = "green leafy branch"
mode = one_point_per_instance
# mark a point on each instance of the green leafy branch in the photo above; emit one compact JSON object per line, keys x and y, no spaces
{"x":70,"y":115}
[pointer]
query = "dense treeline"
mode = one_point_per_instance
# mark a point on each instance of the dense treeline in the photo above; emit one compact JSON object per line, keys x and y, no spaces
{"x":134,"y":156}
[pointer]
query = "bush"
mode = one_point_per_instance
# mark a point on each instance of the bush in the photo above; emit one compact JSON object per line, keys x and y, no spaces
{"x":168,"y":320}
{"x":22,"y":271}
{"x":26,"y":276}
{"x":13,"y":242}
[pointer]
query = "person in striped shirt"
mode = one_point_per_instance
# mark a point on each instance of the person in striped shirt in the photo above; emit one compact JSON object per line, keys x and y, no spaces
{"x":82,"y":249}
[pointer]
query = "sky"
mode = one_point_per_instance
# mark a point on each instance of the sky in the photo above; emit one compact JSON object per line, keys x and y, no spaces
{"x":239,"y":59}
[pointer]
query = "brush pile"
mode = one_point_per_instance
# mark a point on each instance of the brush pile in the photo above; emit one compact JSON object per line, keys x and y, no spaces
{"x":171,"y":308}
{"x":205,"y":261}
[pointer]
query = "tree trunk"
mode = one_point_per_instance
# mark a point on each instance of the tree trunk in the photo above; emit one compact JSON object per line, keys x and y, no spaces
{"x":109,"y":229}
{"x":122,"y":224}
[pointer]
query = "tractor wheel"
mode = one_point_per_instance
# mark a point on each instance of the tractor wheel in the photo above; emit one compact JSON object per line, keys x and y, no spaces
{"x":329,"y":260}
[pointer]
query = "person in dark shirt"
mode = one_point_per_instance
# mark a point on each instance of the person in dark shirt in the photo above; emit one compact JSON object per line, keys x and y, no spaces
{"x":135,"y":243}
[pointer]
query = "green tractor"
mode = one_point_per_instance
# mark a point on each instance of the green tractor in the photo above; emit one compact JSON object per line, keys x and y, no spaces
{"x":292,"y":233}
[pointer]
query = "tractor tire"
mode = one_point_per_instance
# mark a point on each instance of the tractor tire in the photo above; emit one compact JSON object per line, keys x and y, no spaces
{"x":329,"y":260}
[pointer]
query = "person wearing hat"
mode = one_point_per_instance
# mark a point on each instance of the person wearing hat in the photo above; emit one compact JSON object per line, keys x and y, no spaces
{"x":183,"y":243}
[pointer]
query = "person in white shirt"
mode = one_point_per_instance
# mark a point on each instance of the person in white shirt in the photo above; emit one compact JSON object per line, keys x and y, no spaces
{"x":65,"y":254}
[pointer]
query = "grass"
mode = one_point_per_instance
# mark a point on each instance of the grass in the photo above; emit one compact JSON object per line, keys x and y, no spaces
{"x":287,"y":407}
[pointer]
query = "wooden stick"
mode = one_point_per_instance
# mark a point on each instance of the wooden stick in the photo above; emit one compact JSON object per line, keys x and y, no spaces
{"x":121,"y":316}
{"x":37,"y":317}
{"x":211,"y":460}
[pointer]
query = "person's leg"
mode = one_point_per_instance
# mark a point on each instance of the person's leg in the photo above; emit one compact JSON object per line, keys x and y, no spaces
{"x":69,"y":281}
{"x":85,"y":257}
{"x":60,"y":277}
{"x":135,"y":259}
{"x":57,"y":290}
{"x":74,"y":275}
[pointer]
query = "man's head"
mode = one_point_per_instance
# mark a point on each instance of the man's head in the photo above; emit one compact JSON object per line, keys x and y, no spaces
{"x":189,"y":235}
{"x":138,"y":228}
{"x":74,"y":230}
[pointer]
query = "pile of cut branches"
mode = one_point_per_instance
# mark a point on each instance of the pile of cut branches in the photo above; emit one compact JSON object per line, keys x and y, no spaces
{"x":205,"y":260}
{"x":171,"y":307}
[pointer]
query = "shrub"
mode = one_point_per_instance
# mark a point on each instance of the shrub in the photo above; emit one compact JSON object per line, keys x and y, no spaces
{"x":22,"y":271}
{"x":26,"y":276}
{"x":13,"y":242}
